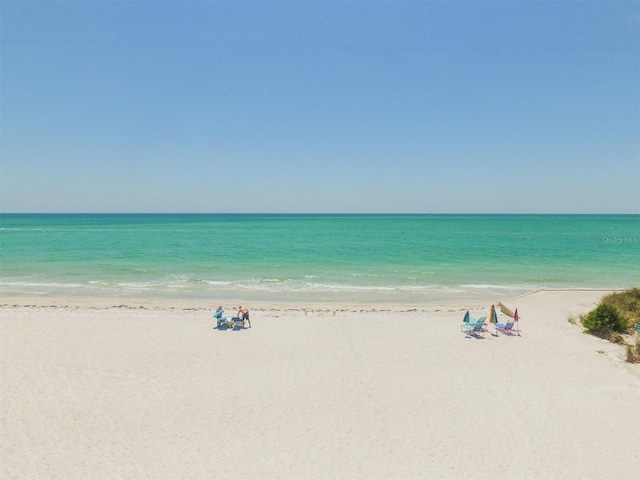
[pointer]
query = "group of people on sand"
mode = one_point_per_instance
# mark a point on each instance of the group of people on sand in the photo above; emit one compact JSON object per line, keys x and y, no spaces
{"x":243,"y":314}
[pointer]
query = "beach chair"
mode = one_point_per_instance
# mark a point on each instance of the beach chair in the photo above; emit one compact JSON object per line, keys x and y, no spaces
{"x":474,"y":328}
{"x":228,"y":322}
{"x":511,"y":327}
{"x":506,"y":328}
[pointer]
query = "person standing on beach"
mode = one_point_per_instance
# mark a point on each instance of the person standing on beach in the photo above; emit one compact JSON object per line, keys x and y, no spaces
{"x":243,"y":313}
{"x":218,"y":315}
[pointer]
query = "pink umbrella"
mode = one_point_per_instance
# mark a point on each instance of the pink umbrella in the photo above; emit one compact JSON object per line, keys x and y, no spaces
{"x":515,"y":319}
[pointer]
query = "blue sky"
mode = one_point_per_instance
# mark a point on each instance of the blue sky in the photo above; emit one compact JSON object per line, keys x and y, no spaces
{"x":320,"y":106}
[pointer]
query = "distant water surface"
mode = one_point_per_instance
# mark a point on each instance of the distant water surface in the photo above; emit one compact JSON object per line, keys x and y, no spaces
{"x":369,"y":258}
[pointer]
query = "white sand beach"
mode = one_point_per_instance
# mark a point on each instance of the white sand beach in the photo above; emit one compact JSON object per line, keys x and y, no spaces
{"x":99,"y":391}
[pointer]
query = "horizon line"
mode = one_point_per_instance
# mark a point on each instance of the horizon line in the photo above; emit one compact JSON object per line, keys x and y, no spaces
{"x":316,"y":213}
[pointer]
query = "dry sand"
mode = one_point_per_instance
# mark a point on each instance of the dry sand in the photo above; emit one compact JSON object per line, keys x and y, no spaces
{"x":333,"y":392}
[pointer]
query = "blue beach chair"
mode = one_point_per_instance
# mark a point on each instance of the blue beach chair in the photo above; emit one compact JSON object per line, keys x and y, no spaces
{"x":228,"y":322}
{"x":506,"y":328}
{"x":470,"y":328}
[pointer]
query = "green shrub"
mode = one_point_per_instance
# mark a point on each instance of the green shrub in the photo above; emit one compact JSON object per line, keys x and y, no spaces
{"x":627,"y":303}
{"x":604,"y":320}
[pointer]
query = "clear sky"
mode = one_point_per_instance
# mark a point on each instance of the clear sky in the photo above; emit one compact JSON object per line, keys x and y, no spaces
{"x":320,"y":106}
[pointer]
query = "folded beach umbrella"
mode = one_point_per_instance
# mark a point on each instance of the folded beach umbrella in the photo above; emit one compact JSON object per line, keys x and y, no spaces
{"x":467,"y":317}
{"x":505,"y":310}
{"x":493,"y":316}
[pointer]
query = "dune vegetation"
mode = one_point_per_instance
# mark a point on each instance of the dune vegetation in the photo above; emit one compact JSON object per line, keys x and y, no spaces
{"x":614,"y":319}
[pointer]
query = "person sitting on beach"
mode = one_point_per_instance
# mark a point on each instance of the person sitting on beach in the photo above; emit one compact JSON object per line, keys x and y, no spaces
{"x":243,"y":313}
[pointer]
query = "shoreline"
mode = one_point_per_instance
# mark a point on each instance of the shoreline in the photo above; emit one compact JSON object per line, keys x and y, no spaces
{"x":199,"y":304}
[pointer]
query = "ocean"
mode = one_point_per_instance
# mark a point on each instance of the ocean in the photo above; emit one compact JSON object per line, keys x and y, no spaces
{"x":314,"y":258}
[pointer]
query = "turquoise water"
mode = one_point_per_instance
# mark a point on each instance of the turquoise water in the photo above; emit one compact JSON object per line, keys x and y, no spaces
{"x":314,"y":257}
